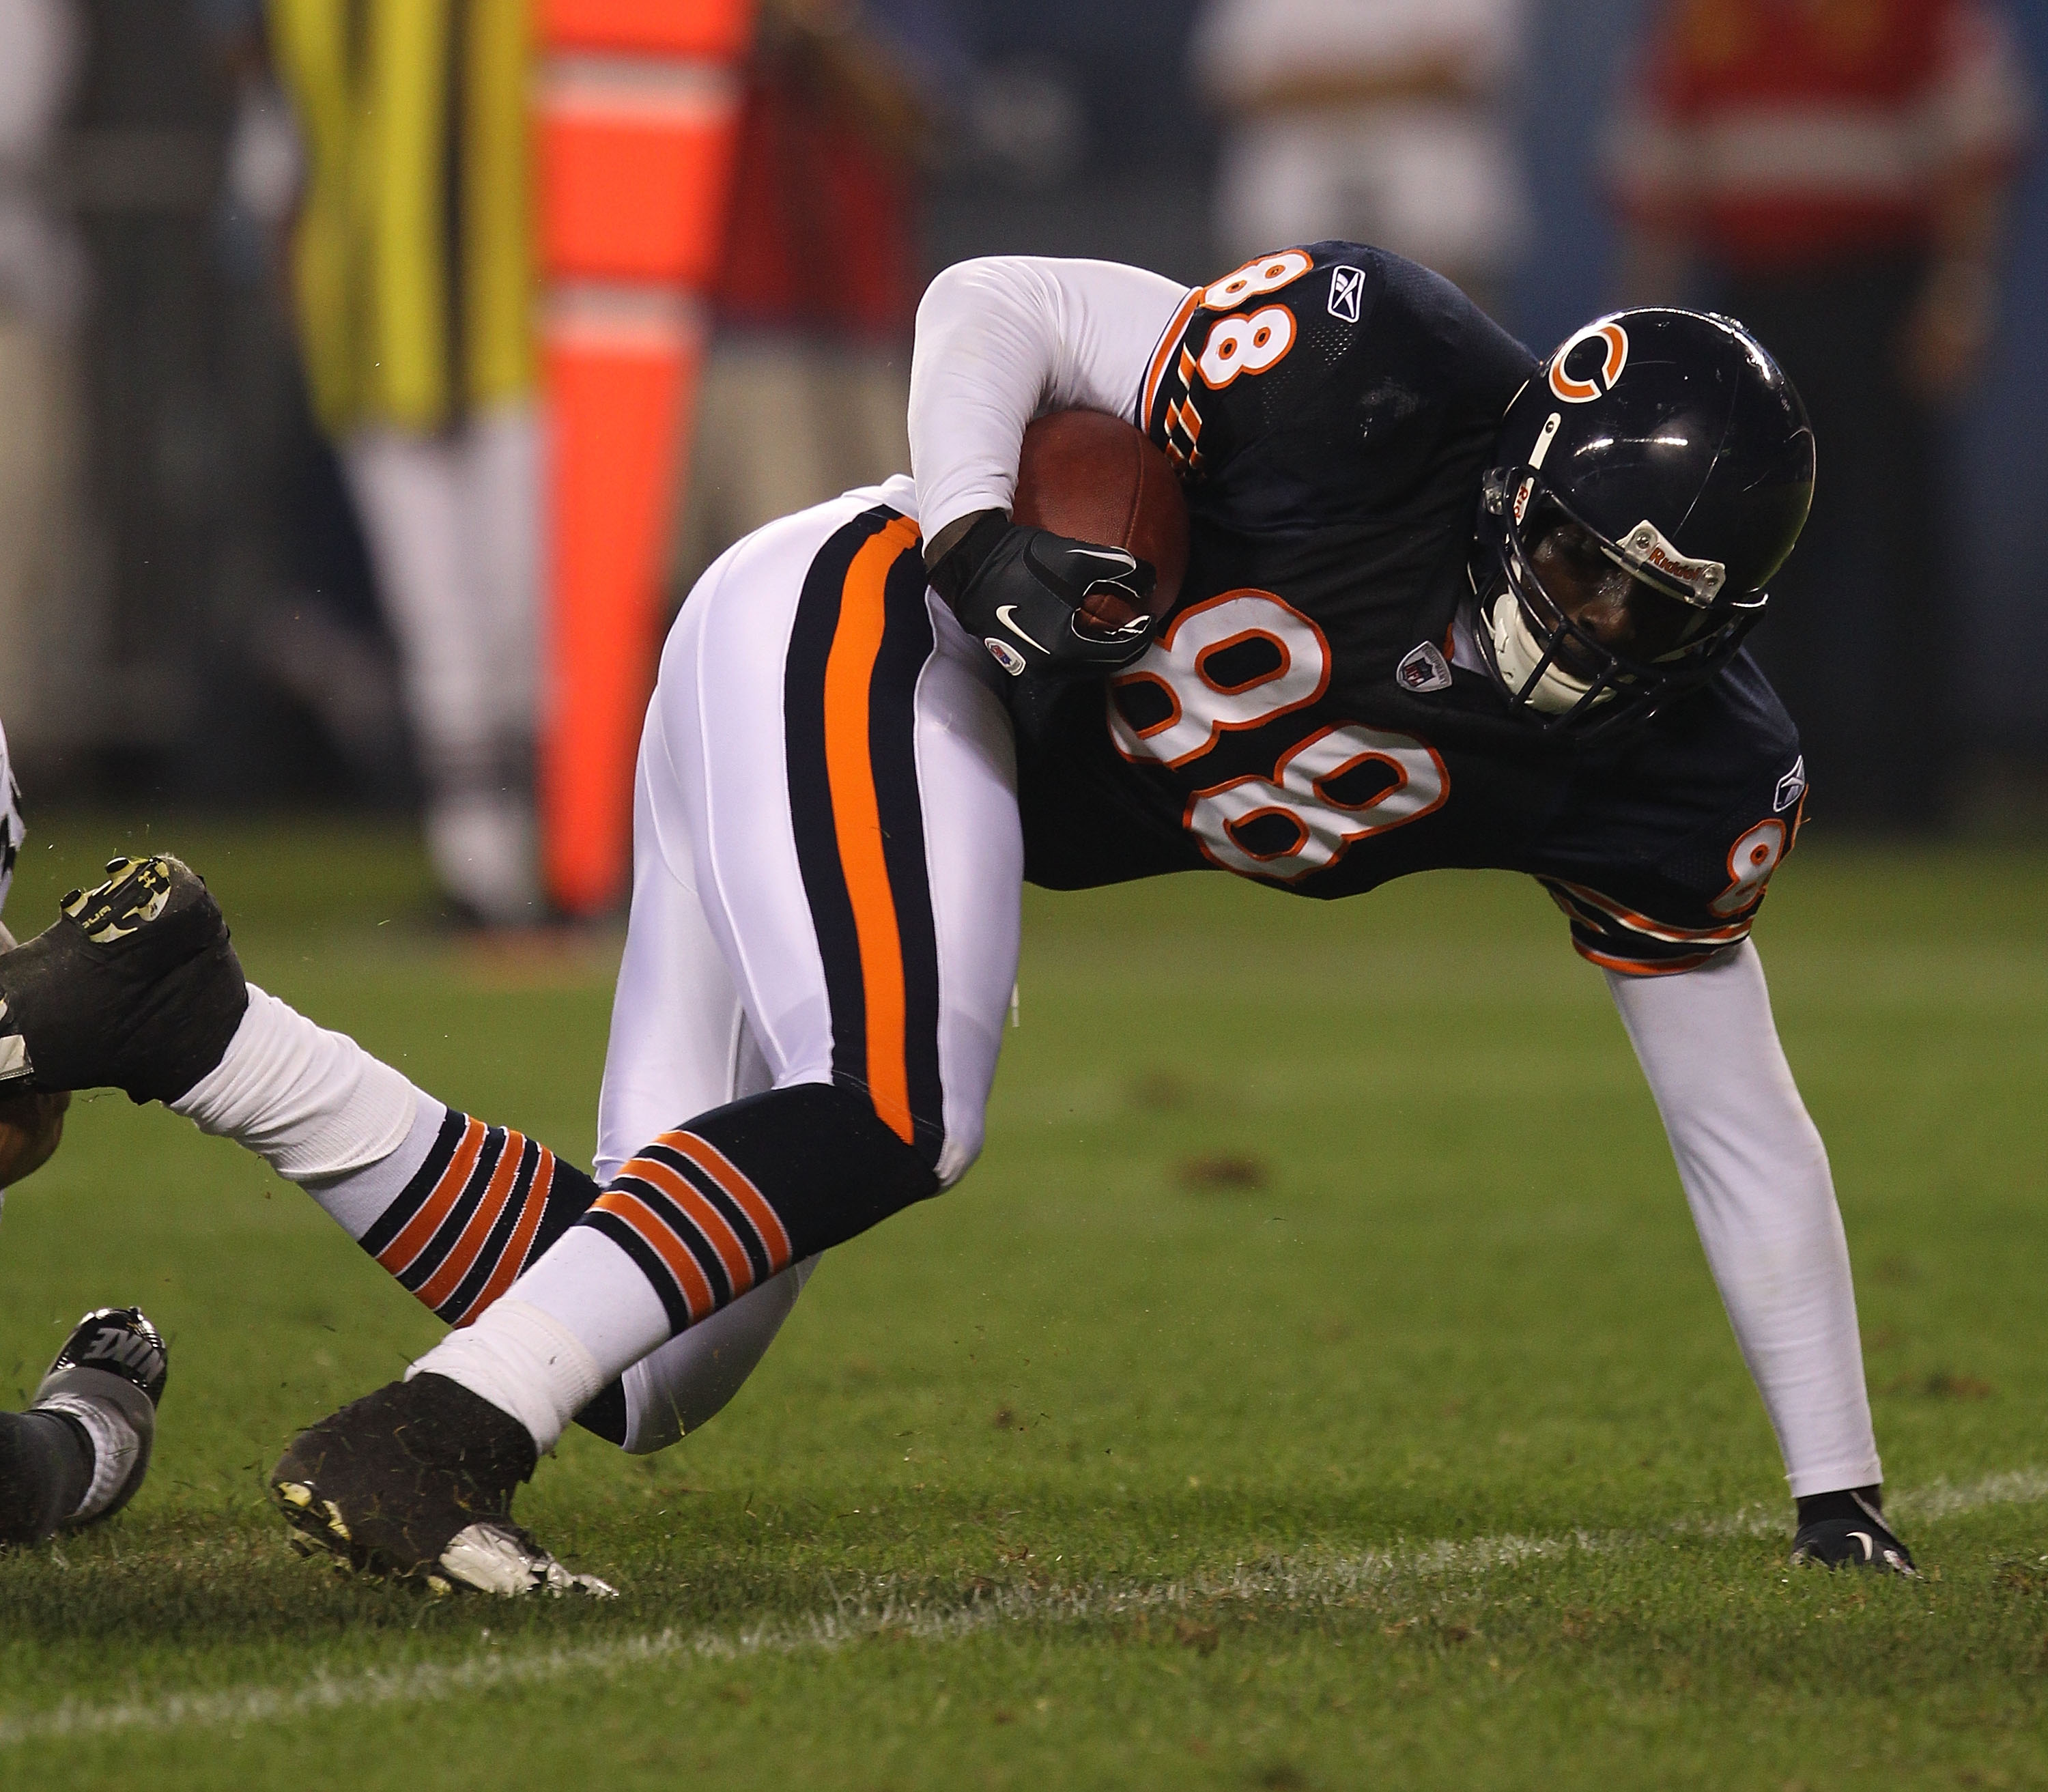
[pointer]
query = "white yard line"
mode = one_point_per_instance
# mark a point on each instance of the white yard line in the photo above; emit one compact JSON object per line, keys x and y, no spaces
{"x":1297,"y":1581}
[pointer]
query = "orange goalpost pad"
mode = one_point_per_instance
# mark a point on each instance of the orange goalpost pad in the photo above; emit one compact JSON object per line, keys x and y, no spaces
{"x":634,"y":172}
{"x":714,"y":29}
{"x":637,"y":107}
{"x":616,"y":423}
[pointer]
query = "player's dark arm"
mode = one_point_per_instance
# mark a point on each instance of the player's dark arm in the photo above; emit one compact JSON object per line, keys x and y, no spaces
{"x":31,"y":1129}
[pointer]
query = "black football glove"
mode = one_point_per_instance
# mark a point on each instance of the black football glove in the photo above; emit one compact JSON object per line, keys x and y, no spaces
{"x":1020,"y":589}
{"x":1848,"y":1528}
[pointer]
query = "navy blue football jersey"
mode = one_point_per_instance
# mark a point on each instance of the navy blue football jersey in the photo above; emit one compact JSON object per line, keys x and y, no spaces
{"x":1301,"y":718}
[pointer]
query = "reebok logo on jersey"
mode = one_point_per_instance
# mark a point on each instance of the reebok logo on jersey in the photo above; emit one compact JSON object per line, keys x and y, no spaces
{"x":1791,"y":787}
{"x":1347,"y":287}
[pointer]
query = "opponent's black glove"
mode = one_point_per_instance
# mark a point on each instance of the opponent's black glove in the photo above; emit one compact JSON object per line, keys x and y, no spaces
{"x":1020,"y":589}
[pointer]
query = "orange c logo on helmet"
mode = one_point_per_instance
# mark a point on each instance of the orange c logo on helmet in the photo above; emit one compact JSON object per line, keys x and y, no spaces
{"x":1614,"y":343}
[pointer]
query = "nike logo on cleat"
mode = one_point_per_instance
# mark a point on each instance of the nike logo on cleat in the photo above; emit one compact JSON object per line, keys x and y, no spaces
{"x":124,"y":1348}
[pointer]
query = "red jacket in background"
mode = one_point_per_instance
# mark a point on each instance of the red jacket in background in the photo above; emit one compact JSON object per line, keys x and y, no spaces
{"x":1774,"y":134}
{"x":822,"y":235}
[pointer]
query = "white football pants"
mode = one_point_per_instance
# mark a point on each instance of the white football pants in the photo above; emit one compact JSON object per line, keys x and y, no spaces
{"x":723,"y":989}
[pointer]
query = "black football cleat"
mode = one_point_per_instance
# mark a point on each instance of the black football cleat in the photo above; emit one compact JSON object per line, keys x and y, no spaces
{"x":116,"y":1358}
{"x":1847,"y":1528}
{"x":135,"y":987}
{"x":415,"y":1482}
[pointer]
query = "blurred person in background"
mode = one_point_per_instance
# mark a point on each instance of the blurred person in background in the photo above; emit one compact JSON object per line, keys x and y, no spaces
{"x":305,"y":616}
{"x":806,"y":386}
{"x":1836,"y":174}
{"x":1384,"y":121}
{"x":414,"y":277}
{"x":42,"y":287}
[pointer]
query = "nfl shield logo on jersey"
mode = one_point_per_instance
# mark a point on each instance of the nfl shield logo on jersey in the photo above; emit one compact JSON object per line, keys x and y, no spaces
{"x":1423,"y":669}
{"x":1005,"y":655}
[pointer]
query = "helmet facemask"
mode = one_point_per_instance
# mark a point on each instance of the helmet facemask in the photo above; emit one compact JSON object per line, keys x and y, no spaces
{"x":1558,"y":674}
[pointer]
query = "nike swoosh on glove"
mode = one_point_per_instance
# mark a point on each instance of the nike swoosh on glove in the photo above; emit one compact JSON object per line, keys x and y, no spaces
{"x":1021,"y":591}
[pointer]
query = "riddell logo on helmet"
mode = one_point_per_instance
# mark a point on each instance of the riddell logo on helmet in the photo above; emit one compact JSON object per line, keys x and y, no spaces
{"x":1596,"y":357}
{"x":1646,"y":547}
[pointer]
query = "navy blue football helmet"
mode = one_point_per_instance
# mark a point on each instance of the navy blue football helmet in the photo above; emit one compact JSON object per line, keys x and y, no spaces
{"x":1667,"y":450}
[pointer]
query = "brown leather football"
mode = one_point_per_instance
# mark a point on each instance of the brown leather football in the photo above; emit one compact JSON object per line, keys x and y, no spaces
{"x":1090,"y":476}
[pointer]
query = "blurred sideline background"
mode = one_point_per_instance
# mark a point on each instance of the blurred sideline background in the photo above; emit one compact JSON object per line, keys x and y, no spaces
{"x":191,"y":613}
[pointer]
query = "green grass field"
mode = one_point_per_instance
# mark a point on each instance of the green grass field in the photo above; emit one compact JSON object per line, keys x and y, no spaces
{"x":1316,"y":1385}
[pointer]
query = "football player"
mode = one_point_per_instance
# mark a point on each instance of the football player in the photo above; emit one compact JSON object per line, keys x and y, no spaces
{"x":1446,"y":605}
{"x":80,"y":1450}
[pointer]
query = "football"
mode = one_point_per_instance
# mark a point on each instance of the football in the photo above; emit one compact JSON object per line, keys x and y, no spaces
{"x":1092,"y":476}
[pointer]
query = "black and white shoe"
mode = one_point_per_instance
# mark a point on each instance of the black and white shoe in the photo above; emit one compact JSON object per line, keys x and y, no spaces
{"x":110,"y":1378}
{"x":135,"y":987}
{"x":415,"y":1482}
{"x":1847,"y":1528}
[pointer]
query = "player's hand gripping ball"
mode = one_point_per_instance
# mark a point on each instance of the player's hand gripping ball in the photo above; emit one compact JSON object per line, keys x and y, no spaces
{"x":1076,"y":581}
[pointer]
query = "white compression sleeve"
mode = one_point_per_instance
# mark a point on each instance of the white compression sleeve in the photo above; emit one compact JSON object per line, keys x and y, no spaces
{"x":1003,"y":339}
{"x":1755,"y":1174}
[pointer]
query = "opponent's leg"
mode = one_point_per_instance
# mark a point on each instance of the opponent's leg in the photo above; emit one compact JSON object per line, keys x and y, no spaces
{"x":825,"y":739}
{"x":80,"y":1450}
{"x":137,"y":986}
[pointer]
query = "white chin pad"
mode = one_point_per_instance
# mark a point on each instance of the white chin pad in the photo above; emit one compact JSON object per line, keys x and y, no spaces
{"x":1516,"y":651}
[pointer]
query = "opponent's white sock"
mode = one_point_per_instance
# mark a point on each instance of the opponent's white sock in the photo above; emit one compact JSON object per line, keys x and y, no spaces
{"x":114,"y":1443}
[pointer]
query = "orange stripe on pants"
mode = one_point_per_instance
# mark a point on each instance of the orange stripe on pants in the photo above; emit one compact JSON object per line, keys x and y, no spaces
{"x":857,"y":817}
